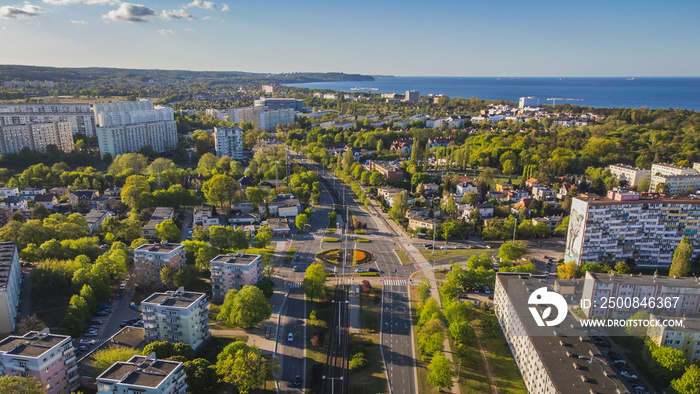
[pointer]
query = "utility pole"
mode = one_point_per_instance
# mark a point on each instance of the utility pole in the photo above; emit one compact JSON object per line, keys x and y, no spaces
{"x":515,"y":228}
{"x":434,"y":230}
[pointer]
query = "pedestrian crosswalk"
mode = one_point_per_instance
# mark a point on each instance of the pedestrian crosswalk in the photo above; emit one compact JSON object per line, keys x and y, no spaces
{"x":294,"y":285}
{"x":313,"y":236}
{"x":376,"y":236}
{"x":394,"y":281}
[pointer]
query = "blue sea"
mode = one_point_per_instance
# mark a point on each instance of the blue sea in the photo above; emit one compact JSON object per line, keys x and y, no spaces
{"x":656,"y":92}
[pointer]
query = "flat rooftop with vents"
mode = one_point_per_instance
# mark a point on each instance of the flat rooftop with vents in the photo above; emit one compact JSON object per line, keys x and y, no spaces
{"x":174,"y":299}
{"x":32,"y":344}
{"x":140,"y":371}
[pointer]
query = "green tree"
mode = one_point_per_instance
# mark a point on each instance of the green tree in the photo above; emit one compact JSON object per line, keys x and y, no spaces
{"x":664,"y":363}
{"x":512,"y":251}
{"x":638,"y":330}
{"x":680,"y":265}
{"x":431,"y":338}
{"x":167,"y":276}
{"x":462,"y":332}
{"x":567,"y":270}
{"x":482,"y":260}
{"x":136,"y":193}
{"x":689,"y":382}
{"x":167,"y":230}
{"x":245,"y":308}
{"x":622,"y":268}
{"x":255,"y":195}
{"x":430,"y":310}
{"x":221,"y":238}
{"x":314,"y":283}
{"x":302,"y":221}
{"x":644,"y":184}
{"x":424,"y":290}
{"x":183,"y":277}
{"x":243,"y":366}
{"x":376,"y":179}
{"x":201,"y":375}
{"x":441,"y":371}
{"x":21,"y":385}
{"x":220,"y":190}
{"x":104,"y":358}
{"x":399,"y":206}
{"x":128,"y":164}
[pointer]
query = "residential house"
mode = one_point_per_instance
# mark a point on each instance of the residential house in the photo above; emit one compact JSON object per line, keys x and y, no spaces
{"x":549,"y":221}
{"x":531,"y":182}
{"x":177,"y":316}
{"x":564,"y":191}
{"x":233,"y":271}
{"x":441,"y":142}
{"x":9,"y":192}
{"x":494,"y":194}
{"x":115,"y":196}
{"x":149,"y":259}
{"x":391,"y":172}
{"x":80,"y":199}
{"x":95,"y":218}
{"x":60,"y":191}
{"x":46,"y":200}
{"x":244,"y":208}
{"x":542,"y":192}
{"x":415,"y":223}
{"x":517,"y":195}
{"x":403,"y":144}
{"x":431,"y":188}
{"x":160,"y":215}
{"x":279,"y":226}
{"x":31,"y":192}
{"x":485,"y":210}
{"x":523,"y":203}
{"x":465,"y":187}
{"x":504,"y":187}
{"x":14,"y":203}
{"x":203,"y":215}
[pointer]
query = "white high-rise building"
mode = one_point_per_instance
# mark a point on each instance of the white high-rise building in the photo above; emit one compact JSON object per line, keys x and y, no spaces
{"x":629,"y":174}
{"x":35,"y":136}
{"x":177,"y":316}
{"x":129,"y":126}
{"x":528,"y":101}
{"x":228,"y":141}
{"x":262,"y":117}
{"x":412,"y":96}
{"x":79,"y":116}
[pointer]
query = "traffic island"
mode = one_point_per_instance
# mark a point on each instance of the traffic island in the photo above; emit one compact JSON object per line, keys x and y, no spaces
{"x":336,"y":257}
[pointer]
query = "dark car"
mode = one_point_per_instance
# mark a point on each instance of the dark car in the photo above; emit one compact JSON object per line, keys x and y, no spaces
{"x":372,"y":270}
{"x":104,"y":307}
{"x":134,"y":319}
{"x":124,"y":323}
{"x":297,"y":380}
{"x":102,"y":313}
{"x":95,"y":321}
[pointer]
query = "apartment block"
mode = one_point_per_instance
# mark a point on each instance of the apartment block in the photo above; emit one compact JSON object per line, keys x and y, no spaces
{"x":228,"y":141}
{"x":686,"y":338}
{"x":233,"y":271}
{"x":143,"y":375}
{"x":35,"y":136}
{"x":597,"y":287}
{"x":149,"y":259}
{"x":412,"y":96}
{"x":129,"y":126}
{"x":10,"y":286}
{"x":551,"y":362}
{"x":279,"y":103}
{"x":79,"y":116}
{"x":645,"y":229}
{"x":629,"y":174}
{"x":176,"y":316}
{"x":391,"y":172}
{"x":528,"y":101}
{"x":160,"y":214}
{"x":665,"y":169}
{"x":203,"y":215}
{"x":263,"y":117}
{"x":47,"y":357}
{"x":677,"y":184}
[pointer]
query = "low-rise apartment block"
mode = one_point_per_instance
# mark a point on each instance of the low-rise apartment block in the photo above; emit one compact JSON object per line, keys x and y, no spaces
{"x":177,"y":316}
{"x":47,"y":357}
{"x":160,"y":215}
{"x":645,"y":229}
{"x":391,"y":172}
{"x":203,"y":215}
{"x":685,"y":338}
{"x":415,"y":223}
{"x":551,"y":363}
{"x":233,"y":271}
{"x":149,"y":259}
{"x":629,"y":174}
{"x":10,"y":286}
{"x":143,"y":375}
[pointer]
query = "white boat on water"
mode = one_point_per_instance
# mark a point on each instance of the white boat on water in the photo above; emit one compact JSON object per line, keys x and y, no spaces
{"x":362,"y":89}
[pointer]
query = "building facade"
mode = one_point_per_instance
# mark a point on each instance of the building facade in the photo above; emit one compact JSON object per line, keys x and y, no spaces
{"x":10,"y":286}
{"x":44,"y":356}
{"x":644,"y":229}
{"x":129,"y":126}
{"x":233,"y":271}
{"x":391,"y":172}
{"x":528,"y":101}
{"x":228,"y":141}
{"x":79,"y":116}
{"x":149,"y":259}
{"x":627,"y":173}
{"x":265,"y":118}
{"x":160,"y":214}
{"x":177,"y":316}
{"x":686,"y":338}
{"x":35,"y":136}
{"x":412,"y":96}
{"x":143,"y":375}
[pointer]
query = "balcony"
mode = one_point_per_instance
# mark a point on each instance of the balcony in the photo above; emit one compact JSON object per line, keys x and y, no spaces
{"x":70,"y":359}
{"x":18,"y":367}
{"x":73,"y":378}
{"x":73,"y":369}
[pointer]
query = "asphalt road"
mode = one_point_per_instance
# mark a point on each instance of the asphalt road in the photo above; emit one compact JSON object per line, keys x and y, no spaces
{"x":397,"y":343}
{"x":291,"y":354}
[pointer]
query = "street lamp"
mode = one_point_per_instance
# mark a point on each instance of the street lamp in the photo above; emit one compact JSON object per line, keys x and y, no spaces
{"x":458,"y":365}
{"x":332,"y":381}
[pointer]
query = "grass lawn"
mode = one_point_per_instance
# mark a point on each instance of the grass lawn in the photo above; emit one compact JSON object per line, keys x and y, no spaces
{"x":403,"y":257}
{"x":316,"y":355}
{"x":421,"y":367}
{"x":440,"y":274}
{"x":372,"y":378}
{"x":450,"y":253}
{"x":217,"y":344}
{"x":290,"y":255}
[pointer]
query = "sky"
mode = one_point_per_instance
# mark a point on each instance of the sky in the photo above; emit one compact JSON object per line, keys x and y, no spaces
{"x":378,"y":37}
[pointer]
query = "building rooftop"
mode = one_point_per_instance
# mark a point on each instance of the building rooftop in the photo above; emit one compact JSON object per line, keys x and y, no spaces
{"x":162,"y":213}
{"x":140,"y":371}
{"x":163,"y":247}
{"x":174,"y":299}
{"x":234,"y":258}
{"x":594,"y":199}
{"x":203,"y":210}
{"x":573,"y":362}
{"x":7,"y":253}
{"x":627,"y":166}
{"x":32,"y":344}
{"x":644,"y":280}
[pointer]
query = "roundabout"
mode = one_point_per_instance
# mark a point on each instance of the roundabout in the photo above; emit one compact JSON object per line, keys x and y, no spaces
{"x":355,"y":256}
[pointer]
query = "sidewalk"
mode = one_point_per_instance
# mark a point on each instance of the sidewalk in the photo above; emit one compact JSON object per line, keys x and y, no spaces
{"x":355,"y":311}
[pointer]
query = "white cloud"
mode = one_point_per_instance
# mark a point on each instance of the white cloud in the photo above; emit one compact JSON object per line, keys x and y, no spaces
{"x":164,"y":32}
{"x":23,"y":12}
{"x":80,"y":22}
{"x":189,"y":29}
{"x":91,"y":2}
{"x":131,"y":13}
{"x":175,"y":14}
{"x":207,"y":5}
{"x":206,"y":17}
{"x":224,"y":8}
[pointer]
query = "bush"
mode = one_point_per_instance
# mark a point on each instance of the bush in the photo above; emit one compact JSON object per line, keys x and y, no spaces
{"x":318,"y":338}
{"x":366,"y":286}
{"x":369,"y":273}
{"x":360,"y":231}
{"x":358,"y":361}
{"x":363,"y":239}
{"x":331,"y":240}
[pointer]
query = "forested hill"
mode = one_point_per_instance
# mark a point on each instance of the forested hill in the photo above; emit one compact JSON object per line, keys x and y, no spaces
{"x":62,"y":74}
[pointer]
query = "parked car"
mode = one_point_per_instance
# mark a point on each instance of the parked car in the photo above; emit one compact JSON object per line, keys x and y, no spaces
{"x":102,"y":313}
{"x":297,"y":380}
{"x":124,"y":323}
{"x":445,"y":247}
{"x":95,"y":321}
{"x":104,"y":307}
{"x":295,"y":269}
{"x":372,"y":270}
{"x":628,"y":375}
{"x":296,"y":257}
{"x":360,"y":270}
{"x":472,"y":246}
{"x":91,"y":334}
{"x":134,"y":319}
{"x":459,"y":247}
{"x":122,"y":286}
{"x":87,"y":342}
{"x":290,"y":337}
{"x":81,"y":349}
{"x":428,"y":246}
{"x":618,"y":362}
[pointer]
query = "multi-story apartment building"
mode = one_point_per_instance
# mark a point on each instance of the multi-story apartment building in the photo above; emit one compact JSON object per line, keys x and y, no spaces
{"x":264,"y":118}
{"x":35,"y":136}
{"x":412,"y":96}
{"x":685,"y":338}
{"x":79,"y":116}
{"x":678,"y":179}
{"x":228,"y":141}
{"x":279,"y":103}
{"x":129,"y":126}
{"x":176,"y":316}
{"x":528,"y":101}
{"x":10,"y":286}
{"x":47,"y":357}
{"x":553,"y":361}
{"x":391,"y":172}
{"x":233,"y":271}
{"x":629,"y":174}
{"x":645,"y":229}
{"x":149,"y":259}
{"x":665,"y":169}
{"x":597,"y":287}
{"x":143,"y":375}
{"x":160,"y":214}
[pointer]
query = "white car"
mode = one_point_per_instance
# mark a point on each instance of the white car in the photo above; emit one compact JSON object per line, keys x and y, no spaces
{"x":628,"y":375}
{"x":290,"y":337}
{"x":445,"y":247}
